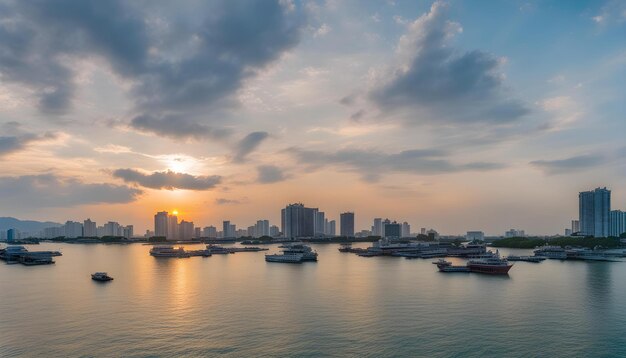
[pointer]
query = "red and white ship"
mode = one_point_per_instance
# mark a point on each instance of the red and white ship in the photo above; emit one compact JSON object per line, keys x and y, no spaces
{"x":491,"y":265}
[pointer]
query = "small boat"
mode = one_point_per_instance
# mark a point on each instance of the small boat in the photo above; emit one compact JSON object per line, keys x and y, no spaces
{"x":346,"y":247}
{"x":168,"y":251}
{"x":446,"y":266}
{"x":101,"y":276}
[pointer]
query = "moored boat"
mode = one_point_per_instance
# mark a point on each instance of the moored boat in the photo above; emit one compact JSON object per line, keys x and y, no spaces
{"x":490,"y":265}
{"x":101,"y":276}
{"x":284,"y":258}
{"x":169,"y":251}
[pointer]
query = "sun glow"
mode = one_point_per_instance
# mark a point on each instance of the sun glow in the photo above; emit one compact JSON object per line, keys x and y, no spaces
{"x":175,"y":212}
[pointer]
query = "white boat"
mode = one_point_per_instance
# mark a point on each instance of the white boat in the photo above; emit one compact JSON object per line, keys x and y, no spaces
{"x":285,"y":258}
{"x":305,"y":251}
{"x":551,"y":252}
{"x":169,"y":251}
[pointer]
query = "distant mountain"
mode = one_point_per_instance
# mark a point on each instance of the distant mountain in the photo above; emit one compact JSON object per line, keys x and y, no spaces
{"x":31,"y":226}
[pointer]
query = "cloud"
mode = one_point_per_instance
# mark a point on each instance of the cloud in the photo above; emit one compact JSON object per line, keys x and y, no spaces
{"x":15,"y":143}
{"x":433,"y":82}
{"x":270,"y":174}
{"x":178,"y":66}
{"x":168,"y":180}
{"x":248,"y":144}
{"x":177,"y":127}
{"x":371,"y":164}
{"x":224,"y":201}
{"x":568,"y":165}
{"x":50,"y":190}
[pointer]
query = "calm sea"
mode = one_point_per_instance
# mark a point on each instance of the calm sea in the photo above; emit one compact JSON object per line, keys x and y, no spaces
{"x":344,"y":305}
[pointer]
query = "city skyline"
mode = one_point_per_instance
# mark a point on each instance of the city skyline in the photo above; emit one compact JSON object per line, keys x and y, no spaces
{"x":337,"y":106}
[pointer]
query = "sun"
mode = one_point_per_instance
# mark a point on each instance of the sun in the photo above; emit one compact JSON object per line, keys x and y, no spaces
{"x":175,"y":212}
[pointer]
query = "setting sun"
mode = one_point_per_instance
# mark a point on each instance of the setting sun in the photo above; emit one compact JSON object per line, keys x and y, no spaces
{"x":175,"y":212}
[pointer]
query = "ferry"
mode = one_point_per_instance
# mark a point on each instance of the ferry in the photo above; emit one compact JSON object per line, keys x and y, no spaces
{"x":535,"y":259}
{"x":492,"y":265}
{"x":284,"y":258}
{"x":169,"y":251}
{"x":467,"y":250}
{"x":589,"y":255}
{"x":33,"y":259}
{"x":101,"y":276}
{"x":305,"y":251}
{"x":346,"y":247}
{"x":247,"y":249}
{"x":551,"y":252}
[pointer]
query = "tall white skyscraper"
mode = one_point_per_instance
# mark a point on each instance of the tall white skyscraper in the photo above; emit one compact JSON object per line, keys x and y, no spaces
{"x":160,"y":224}
{"x":89,"y":228}
{"x":172,"y":227}
{"x":593,"y":209}
{"x":377,"y":229}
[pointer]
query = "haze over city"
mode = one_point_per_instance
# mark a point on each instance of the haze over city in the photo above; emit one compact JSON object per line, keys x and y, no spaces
{"x":442,"y":114}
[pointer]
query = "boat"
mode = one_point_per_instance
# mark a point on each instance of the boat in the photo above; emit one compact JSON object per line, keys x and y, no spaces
{"x":425,"y":254}
{"x":307,"y":253}
{"x":101,"y":276}
{"x":551,"y":252}
{"x":467,"y":250}
{"x":490,"y":265}
{"x":589,"y":255}
{"x":284,"y":258}
{"x":247,"y":249}
{"x":203,"y":253}
{"x":446,"y":266}
{"x":219,"y":250}
{"x":534,"y":259}
{"x":34,"y":259}
{"x":346,"y":247}
{"x":169,"y":251}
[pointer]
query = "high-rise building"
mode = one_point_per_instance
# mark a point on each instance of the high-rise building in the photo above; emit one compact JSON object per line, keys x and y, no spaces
{"x":575,"y":226}
{"x":319,"y":223}
{"x":160,"y":224}
{"x":274,"y":231}
{"x":514,"y":233}
{"x":617,"y":219}
{"x":89,"y":228}
{"x":73,"y":229}
{"x":593,"y":210}
{"x":392,"y":229}
{"x":12,"y":235}
{"x":128,"y":231}
{"x":112,"y":228}
{"x":568,"y":232}
{"x":262,"y":228}
{"x":346,"y":221}
{"x":209,"y":231}
{"x":226,"y":233}
{"x":377,"y":229}
{"x":172,"y":227}
{"x":406,"y":229}
{"x":186,"y":230}
{"x":332,"y":228}
{"x":298,"y":221}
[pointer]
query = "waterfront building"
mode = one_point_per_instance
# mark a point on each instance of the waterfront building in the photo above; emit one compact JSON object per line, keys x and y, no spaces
{"x":298,"y":221}
{"x":89,"y":228}
{"x":617,"y":219}
{"x":262,"y":228}
{"x":593,"y":210}
{"x":197,"y":232}
{"x":568,"y":232}
{"x":475,"y":236}
{"x":228,"y":230}
{"x":274,"y":231}
{"x":160,"y":224}
{"x":332,"y":228}
{"x":515,"y":233}
{"x":346,"y":221}
{"x":575,"y":226}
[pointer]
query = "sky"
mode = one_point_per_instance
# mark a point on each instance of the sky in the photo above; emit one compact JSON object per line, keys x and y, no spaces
{"x":449,"y":115}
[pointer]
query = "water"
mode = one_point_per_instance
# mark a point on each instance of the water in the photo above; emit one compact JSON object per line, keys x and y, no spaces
{"x":344,"y":305}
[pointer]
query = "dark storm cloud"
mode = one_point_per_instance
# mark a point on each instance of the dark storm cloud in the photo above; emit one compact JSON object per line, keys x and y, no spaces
{"x":168,"y":180}
{"x":568,"y":165}
{"x":49,"y":190}
{"x":179,"y":57}
{"x":440,"y":84}
{"x":248,"y":144}
{"x":270,"y":174}
{"x":370,"y":164}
